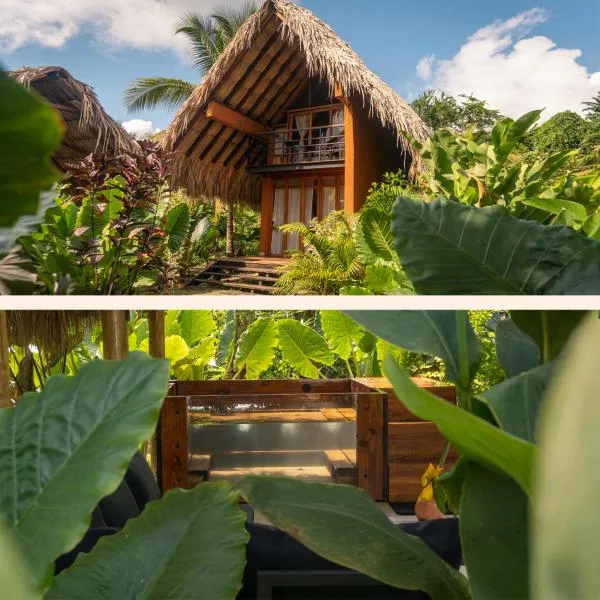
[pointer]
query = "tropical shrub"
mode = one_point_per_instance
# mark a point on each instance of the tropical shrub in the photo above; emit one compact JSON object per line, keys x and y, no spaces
{"x":329,"y":261}
{"x":513,"y":486}
{"x":64,"y":459}
{"x":110,"y":228}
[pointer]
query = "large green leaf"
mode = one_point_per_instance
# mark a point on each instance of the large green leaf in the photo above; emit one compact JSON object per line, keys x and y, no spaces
{"x":515,"y":350}
{"x":549,"y":329}
{"x":556,"y":206}
{"x":30,"y":131}
{"x":177,"y":225}
{"x":515,"y":403}
{"x":566,"y":544}
{"x":257,"y":348}
{"x":448,"y":248}
{"x":196,"y":325}
{"x":189,"y":544}
{"x":175,"y":349}
{"x":473,"y":437}
{"x":494,"y":535}
{"x":341,"y":332}
{"x":63,"y":450}
{"x":14,"y":581}
{"x":303,"y":348}
{"x":345,"y":526}
{"x":445,"y":334}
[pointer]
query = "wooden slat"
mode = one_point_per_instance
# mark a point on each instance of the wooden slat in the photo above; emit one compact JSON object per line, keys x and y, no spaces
{"x":199,"y":464}
{"x":172,"y":445}
{"x":213,"y":142}
{"x":234,"y":119}
{"x":332,"y":414}
{"x":397,"y":412}
{"x":236,"y":387}
{"x":371,"y":445}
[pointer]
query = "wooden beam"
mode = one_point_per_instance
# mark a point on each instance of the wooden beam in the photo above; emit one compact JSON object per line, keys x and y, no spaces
{"x":172,"y":445}
{"x":224,"y":146}
{"x":212,"y":143}
{"x":5,"y":400}
{"x":266,"y":213}
{"x":296,"y":89}
{"x":115,"y":343}
{"x":340,"y":95}
{"x":156,"y":333}
{"x":226,"y":77}
{"x":236,"y":120}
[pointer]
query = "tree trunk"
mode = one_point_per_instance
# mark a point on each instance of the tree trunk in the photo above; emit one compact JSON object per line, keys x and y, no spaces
{"x":229,"y":234}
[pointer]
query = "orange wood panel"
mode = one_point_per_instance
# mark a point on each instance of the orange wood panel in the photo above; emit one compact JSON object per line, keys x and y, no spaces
{"x":235,"y":120}
{"x":172,"y":445}
{"x":371,"y":445}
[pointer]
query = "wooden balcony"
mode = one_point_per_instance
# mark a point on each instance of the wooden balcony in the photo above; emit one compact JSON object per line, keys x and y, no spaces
{"x":297,"y":149}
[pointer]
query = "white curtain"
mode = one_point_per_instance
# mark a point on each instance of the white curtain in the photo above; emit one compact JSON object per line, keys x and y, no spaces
{"x":295,"y":197}
{"x":308,"y":204}
{"x":334,"y":135}
{"x":278,"y":219}
{"x":302,"y":125}
{"x":328,"y":200}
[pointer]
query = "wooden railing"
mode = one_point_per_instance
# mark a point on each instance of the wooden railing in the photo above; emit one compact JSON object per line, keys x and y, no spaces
{"x":325,"y":144}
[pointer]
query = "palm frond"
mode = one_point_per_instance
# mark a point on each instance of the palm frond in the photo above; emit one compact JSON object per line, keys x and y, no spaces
{"x":201,"y":33}
{"x":150,"y":92}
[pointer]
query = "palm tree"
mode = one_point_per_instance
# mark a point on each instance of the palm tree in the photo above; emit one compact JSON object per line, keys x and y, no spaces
{"x":593,"y":108}
{"x":208,"y":37}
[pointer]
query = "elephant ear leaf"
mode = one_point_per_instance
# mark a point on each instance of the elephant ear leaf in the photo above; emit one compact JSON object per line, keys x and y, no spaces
{"x":448,"y":248}
{"x":63,"y":450}
{"x":178,"y":225}
{"x":189,"y":544}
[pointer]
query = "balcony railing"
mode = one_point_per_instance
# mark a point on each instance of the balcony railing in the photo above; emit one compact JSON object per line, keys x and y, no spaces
{"x":314,"y":145}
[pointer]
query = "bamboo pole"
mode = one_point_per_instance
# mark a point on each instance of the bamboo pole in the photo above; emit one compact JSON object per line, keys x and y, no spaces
{"x":5,"y":400}
{"x":156,"y":333}
{"x":114,"y":334}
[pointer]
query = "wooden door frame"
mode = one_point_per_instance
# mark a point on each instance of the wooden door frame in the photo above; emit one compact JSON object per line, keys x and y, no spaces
{"x":268,"y":198}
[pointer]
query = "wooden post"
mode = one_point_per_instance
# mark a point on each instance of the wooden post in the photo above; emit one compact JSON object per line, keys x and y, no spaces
{"x":172,"y":445}
{"x":5,"y":400}
{"x":371,"y":442}
{"x":266,"y":215}
{"x":114,"y":334}
{"x":156,"y":331}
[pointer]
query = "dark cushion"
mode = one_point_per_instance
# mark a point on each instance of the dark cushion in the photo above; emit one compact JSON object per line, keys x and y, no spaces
{"x":119,"y":507}
{"x":272,"y":550}
{"x":141,"y":481}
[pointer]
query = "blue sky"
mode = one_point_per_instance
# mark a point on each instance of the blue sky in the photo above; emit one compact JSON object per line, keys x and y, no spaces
{"x":392,"y":36}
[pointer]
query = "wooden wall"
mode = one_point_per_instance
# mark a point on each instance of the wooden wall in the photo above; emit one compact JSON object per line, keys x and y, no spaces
{"x":411,"y":443}
{"x":371,"y":151}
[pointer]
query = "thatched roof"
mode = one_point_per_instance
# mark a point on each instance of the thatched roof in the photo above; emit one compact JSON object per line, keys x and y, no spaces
{"x":53,"y":332}
{"x":278,"y":48}
{"x":88,"y":127}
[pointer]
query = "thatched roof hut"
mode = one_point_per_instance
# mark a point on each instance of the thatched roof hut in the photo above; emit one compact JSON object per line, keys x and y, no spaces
{"x":272,"y":60}
{"x":88,"y":127}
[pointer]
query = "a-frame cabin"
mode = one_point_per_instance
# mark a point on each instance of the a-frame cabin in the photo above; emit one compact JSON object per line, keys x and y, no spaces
{"x":291,"y":120}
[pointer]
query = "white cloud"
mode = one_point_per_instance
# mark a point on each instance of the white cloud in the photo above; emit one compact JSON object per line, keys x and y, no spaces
{"x":515,"y":73}
{"x":140,"y":129}
{"x":145,"y":24}
{"x":425,"y":66}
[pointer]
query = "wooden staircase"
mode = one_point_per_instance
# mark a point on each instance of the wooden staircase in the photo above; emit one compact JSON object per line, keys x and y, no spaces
{"x":251,"y":275}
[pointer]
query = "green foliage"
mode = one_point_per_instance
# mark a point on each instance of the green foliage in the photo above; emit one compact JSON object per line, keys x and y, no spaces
{"x":442,"y":111}
{"x":30,"y":131}
{"x":449,"y":248}
{"x":199,"y":534}
{"x":344,"y":525}
{"x":110,"y":229}
{"x":257,"y":349}
{"x":565,"y":544}
{"x":66,"y":449}
{"x":329,"y":262}
{"x":47,"y":458}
